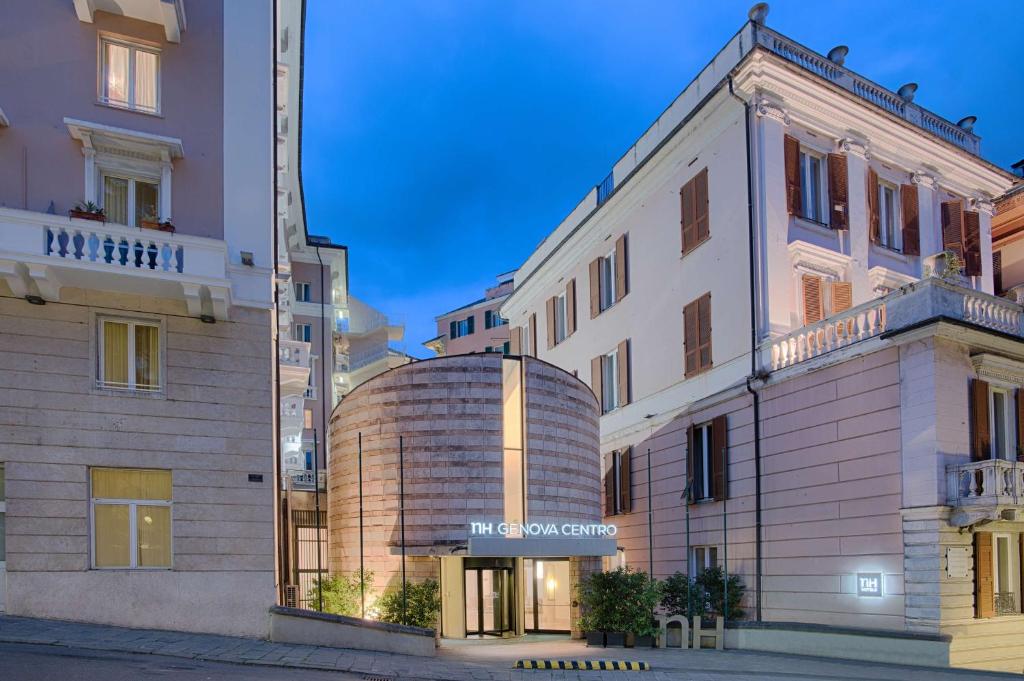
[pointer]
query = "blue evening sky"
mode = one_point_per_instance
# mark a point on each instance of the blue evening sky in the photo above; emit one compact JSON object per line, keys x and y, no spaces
{"x":444,"y":139}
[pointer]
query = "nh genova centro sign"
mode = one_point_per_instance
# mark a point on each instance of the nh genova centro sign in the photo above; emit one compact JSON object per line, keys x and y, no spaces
{"x":541,"y":539}
{"x":542,"y":530}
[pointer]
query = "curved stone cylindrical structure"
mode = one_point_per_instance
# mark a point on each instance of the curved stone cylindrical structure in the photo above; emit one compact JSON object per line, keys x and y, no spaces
{"x":450,"y":414}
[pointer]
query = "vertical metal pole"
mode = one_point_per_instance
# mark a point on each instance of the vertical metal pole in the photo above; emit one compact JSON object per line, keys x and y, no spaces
{"x":725,"y":560}
{"x":362,"y":573}
{"x":650,"y":519}
{"x":316,"y":497}
{"x":401,"y":510}
{"x":689,"y":577}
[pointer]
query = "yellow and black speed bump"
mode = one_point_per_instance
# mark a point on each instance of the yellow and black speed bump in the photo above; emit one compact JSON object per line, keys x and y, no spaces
{"x":606,"y":665}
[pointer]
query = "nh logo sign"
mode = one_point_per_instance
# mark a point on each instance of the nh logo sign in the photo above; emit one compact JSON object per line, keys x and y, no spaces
{"x":869,"y":584}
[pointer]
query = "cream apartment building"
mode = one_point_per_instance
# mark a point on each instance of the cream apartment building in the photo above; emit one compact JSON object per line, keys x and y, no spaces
{"x":328,"y":341}
{"x":751,"y":293}
{"x":136,"y":400}
{"x":476,"y":326}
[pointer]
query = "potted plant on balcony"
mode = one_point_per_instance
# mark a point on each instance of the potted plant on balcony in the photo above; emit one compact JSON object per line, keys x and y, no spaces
{"x":166,"y":225}
{"x":87,"y":211}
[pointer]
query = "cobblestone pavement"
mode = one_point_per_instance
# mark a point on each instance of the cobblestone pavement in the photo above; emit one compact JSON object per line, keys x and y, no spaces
{"x":472,"y":661}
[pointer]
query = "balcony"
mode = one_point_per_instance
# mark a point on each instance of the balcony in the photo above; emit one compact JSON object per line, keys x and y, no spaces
{"x":292,"y":416}
{"x":42,"y":253}
{"x":293,"y":358}
{"x":167,"y":13}
{"x":930,"y":299}
{"x":302,"y":481}
{"x":992,"y":489}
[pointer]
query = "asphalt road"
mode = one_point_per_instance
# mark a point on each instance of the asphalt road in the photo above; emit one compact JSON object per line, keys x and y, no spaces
{"x":20,"y":662}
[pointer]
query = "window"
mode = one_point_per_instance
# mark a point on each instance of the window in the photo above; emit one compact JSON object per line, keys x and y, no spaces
{"x":302,"y":291}
{"x":890,"y":231}
{"x":610,"y":382}
{"x":702,"y":558}
{"x":130,"y":76}
{"x":129,"y":200}
{"x":461,"y":327}
{"x":131,"y":518}
{"x":812,"y":186}
{"x":618,"y":487}
{"x":697,"y":336}
{"x":129,"y":355}
{"x":560,"y":318}
{"x":1005,"y":574}
{"x":309,"y":459}
{"x":706,"y":445}
{"x":607,"y":281}
{"x":701,"y":481}
{"x":491,"y":319}
{"x":693,"y":198}
{"x":1001,"y":423}
{"x":303,"y":332}
{"x":310,"y":393}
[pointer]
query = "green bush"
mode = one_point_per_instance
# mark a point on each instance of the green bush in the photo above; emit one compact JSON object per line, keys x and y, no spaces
{"x":710,"y":581}
{"x":681,"y":596}
{"x":619,"y":601}
{"x":341,"y":593}
{"x":423,"y":604}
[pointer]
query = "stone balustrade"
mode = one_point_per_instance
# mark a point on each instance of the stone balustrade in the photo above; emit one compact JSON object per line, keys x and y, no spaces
{"x":994,"y":482}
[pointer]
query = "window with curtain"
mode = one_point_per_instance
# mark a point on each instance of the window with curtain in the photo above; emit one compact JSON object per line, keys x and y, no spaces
{"x":130,"y":76}
{"x":130,"y":200}
{"x":129,"y":355}
{"x":131,"y":513}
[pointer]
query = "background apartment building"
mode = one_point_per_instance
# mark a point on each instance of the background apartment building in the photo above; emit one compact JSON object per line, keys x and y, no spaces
{"x":748,"y":295}
{"x":328,"y":340}
{"x":476,"y":327}
{"x":135,"y":352}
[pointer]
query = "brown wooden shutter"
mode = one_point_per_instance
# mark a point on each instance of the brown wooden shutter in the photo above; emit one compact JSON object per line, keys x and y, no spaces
{"x":691,"y":350}
{"x":842,"y":296}
{"x":570,"y":307}
{"x":621,"y":268}
{"x":551,"y":322}
{"x":1019,"y":400}
{"x":980,"y":437}
{"x":997,"y":283}
{"x":719,"y":459}
{"x":953,"y":227}
{"x":690,"y":467}
{"x":595,"y":380}
{"x":704,"y":331}
{"x":700,"y":194}
{"x":972,"y":243}
{"x":984,"y":581}
{"x":595,"y":287}
{"x":874,"y":219}
{"x":812,"y":299}
{"x":838,"y":192}
{"x":625,"y":480}
{"x":911,"y":219}
{"x":688,"y":216}
{"x":609,"y":485}
{"x":533,"y":334}
{"x":793,"y":200}
{"x":624,"y":372}
{"x":515,"y":341}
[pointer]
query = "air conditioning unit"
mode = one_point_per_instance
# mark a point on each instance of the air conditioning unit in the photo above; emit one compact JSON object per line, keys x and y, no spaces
{"x":291,"y":596}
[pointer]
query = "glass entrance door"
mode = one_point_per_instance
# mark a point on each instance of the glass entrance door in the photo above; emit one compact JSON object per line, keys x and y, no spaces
{"x":489,"y":600}
{"x":547,"y":595}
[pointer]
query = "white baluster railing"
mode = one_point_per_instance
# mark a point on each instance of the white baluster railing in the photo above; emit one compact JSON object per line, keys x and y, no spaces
{"x":853,"y":325}
{"x":987,"y":483}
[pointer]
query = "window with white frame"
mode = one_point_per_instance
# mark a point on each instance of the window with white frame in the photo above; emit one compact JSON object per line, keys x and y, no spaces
{"x":304,"y":333}
{"x":560,"y":318}
{"x":1002,"y":423}
{"x":702,"y":558}
{"x":128,"y":199}
{"x":813,"y":186}
{"x":310,"y":393}
{"x":302,"y":291}
{"x":129,"y":354}
{"x":129,"y":75}
{"x":890,"y":232}
{"x":607,"y":281}
{"x":131,"y":518}
{"x":1006,"y":573}
{"x":702,"y":443}
{"x":610,"y":381}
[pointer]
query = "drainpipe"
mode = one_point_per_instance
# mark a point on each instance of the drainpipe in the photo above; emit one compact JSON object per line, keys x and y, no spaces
{"x":755,"y":372}
{"x":282,"y":564}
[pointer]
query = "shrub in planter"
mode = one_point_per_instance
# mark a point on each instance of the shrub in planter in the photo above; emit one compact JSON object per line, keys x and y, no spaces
{"x":711,"y":582}
{"x":341,"y":593}
{"x":681,"y":596}
{"x":87,"y":211}
{"x":422,"y":604}
{"x":617,"y":603}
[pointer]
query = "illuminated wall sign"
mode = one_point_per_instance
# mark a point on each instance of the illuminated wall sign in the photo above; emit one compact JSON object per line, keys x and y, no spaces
{"x":542,"y":530}
{"x":869,"y":584}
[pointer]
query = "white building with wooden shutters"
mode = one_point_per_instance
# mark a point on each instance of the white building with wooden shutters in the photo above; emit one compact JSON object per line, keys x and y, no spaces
{"x":811,"y":367}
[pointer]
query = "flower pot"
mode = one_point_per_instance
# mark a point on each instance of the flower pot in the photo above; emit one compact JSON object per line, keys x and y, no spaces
{"x":615,"y":639}
{"x":595,"y":639}
{"x":645,"y":641}
{"x":166,"y":227}
{"x":86,"y":215}
{"x":149,"y":224}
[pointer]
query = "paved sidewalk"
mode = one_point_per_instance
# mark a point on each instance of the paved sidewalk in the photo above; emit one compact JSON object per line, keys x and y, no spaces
{"x":474,"y":661}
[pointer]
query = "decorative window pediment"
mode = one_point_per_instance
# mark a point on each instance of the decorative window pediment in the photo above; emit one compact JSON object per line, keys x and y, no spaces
{"x":993,"y":368}
{"x":810,"y":259}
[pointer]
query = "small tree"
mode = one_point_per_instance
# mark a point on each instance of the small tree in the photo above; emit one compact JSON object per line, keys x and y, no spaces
{"x":619,"y":601}
{"x":422,"y":604}
{"x":681,"y":596}
{"x":341,"y":592}
{"x":711,"y":582}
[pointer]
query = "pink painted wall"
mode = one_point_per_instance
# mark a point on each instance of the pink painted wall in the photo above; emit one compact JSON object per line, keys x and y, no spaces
{"x":831,"y":486}
{"x":48,"y":71}
{"x":481,"y":338}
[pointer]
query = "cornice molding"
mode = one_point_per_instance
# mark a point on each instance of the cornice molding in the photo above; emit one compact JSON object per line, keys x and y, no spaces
{"x":818,"y":260}
{"x":925,"y":180}
{"x":851,"y":145}
{"x":767,"y":108}
{"x":994,"y":367}
{"x":983,"y":205}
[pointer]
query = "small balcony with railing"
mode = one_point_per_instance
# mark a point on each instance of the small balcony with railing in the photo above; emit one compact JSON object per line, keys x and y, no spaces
{"x":306,"y":480}
{"x":928,"y":300}
{"x":991,"y":489}
{"x":293,"y":360}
